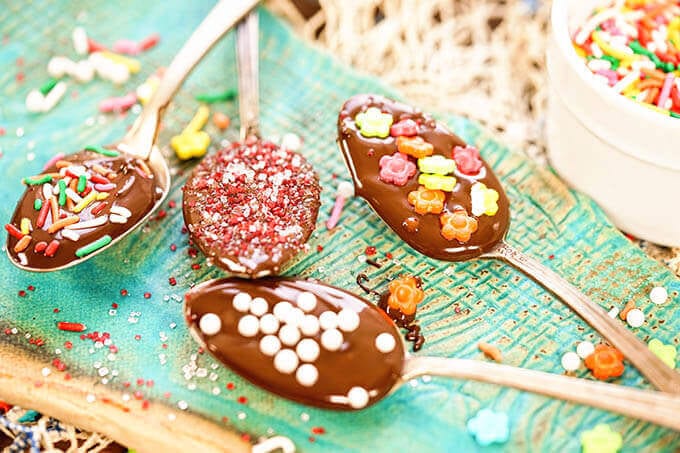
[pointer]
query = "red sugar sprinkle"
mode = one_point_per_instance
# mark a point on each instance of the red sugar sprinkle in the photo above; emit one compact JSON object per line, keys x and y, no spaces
{"x":123,"y":292}
{"x":126,"y":384}
{"x":551,"y":257}
{"x":312,"y":439}
{"x":140,"y":382}
{"x":388,"y":255}
{"x":166,"y":395}
{"x":195,"y":266}
{"x":230,"y":386}
{"x":147,"y":295}
{"x":20,"y":61}
{"x":457,"y":309}
{"x":56,"y":310}
{"x":145,"y":404}
{"x":245,"y":437}
{"x":172,"y":204}
{"x":192,"y":252}
{"x":164,"y":346}
{"x":22,"y":293}
{"x":173,"y":247}
{"x":172,"y":281}
{"x":20,"y":76}
{"x":242,"y":400}
{"x":319,"y":248}
{"x":370,"y":251}
{"x":138,"y":395}
{"x":184,"y":230}
{"x":161,"y":214}
{"x":149,"y":383}
{"x":8,"y":331}
{"x":318,"y":430}
{"x":138,"y":337}
{"x":114,"y":305}
{"x":68,"y":345}
{"x":31,"y":288}
{"x":67,"y":377}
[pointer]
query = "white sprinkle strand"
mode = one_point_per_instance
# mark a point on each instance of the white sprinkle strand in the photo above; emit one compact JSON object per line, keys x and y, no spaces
{"x":115,"y":218}
{"x":121,"y":211}
{"x":97,"y":221}
{"x":70,"y":234}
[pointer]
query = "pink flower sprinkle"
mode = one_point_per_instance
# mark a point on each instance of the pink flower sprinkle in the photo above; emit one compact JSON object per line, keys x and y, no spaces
{"x":396,"y":169}
{"x":467,"y":160}
{"x":406,"y":127}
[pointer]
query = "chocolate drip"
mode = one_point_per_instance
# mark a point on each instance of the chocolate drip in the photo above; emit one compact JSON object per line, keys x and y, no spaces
{"x":422,"y":232}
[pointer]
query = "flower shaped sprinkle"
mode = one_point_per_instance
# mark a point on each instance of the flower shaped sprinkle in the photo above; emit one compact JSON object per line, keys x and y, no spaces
{"x":601,"y":439}
{"x":468,"y":160}
{"x":437,"y":182}
{"x":190,"y":144}
{"x":457,"y":225}
{"x":405,"y":294}
{"x":374,"y":123}
{"x":666,"y":352}
{"x":488,"y":427}
{"x":406,"y":127}
{"x":414,"y":146}
{"x":426,"y":201}
{"x":396,"y":169}
{"x":437,"y":164}
{"x":484,"y":200}
{"x":605,"y":362}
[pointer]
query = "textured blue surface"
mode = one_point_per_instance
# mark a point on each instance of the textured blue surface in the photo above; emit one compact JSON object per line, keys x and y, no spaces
{"x":302,"y":90}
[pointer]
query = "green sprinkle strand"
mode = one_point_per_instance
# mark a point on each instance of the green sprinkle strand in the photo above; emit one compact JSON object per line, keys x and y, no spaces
{"x":211,"y":98}
{"x":37,"y":204}
{"x":47,"y":86}
{"x":37,"y":181}
{"x":82,"y":183}
{"x":101,"y":150}
{"x":93,"y":246}
{"x":675,"y":115}
{"x":62,"y":192}
{"x":613,"y":60}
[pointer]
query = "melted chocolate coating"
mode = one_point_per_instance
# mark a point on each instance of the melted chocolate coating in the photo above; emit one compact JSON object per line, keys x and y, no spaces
{"x":422,"y":232}
{"x":251,"y":207}
{"x":133,"y":191}
{"x":357,"y":363}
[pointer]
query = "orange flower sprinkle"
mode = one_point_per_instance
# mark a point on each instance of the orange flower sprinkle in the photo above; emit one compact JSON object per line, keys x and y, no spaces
{"x":605,"y":362}
{"x":458,"y":225}
{"x":405,"y":294}
{"x":426,"y":201}
{"x":414,"y":146}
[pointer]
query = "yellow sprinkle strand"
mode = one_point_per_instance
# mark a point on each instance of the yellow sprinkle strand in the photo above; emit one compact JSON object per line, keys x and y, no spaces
{"x":199,"y":119}
{"x":86,"y":201}
{"x":133,"y":65}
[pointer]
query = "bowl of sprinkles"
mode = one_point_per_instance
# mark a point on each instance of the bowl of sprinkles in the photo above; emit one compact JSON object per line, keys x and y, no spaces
{"x":614,"y":109}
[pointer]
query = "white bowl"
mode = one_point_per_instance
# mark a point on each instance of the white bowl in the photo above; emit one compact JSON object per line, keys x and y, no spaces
{"x":623,"y":155}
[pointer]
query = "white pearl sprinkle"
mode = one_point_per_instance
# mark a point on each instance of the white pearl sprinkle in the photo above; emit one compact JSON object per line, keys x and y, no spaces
{"x":289,"y":335}
{"x":310,"y":325}
{"x":328,"y":320}
{"x":571,"y":361}
{"x":286,"y":361}
{"x":348,"y":320}
{"x":259,"y":306}
{"x":281,"y":310}
{"x":306,"y":301}
{"x":270,"y":345}
{"x":385,"y":342}
{"x":269,"y":324}
{"x":584,"y":349}
{"x":307,"y":350}
{"x":331,"y":339}
{"x":242,"y":302}
{"x":357,"y":397}
{"x":210,"y":324}
{"x":658,"y":295}
{"x":295,"y":317}
{"x":248,"y":326}
{"x":291,"y":142}
{"x":635,"y":317}
{"x":307,"y":375}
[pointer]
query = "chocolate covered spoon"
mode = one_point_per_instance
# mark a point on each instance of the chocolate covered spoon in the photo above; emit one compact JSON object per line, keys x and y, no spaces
{"x":325,"y":347}
{"x":251,"y":206}
{"x":443,"y":200}
{"x":85,"y":202}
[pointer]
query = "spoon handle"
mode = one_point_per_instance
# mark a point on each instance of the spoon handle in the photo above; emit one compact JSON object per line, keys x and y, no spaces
{"x":658,"y":373}
{"x":247,"y":53}
{"x":655,"y":407}
{"x":224,"y":15}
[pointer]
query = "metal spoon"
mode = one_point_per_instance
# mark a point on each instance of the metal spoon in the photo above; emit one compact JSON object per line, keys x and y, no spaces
{"x":389,"y":202}
{"x":140,"y":140}
{"x":292,"y":222}
{"x":232,"y":319}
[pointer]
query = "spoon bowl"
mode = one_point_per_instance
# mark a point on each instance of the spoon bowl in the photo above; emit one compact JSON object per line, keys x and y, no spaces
{"x":100,"y":220}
